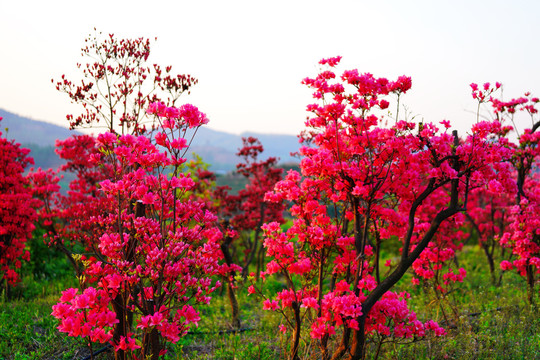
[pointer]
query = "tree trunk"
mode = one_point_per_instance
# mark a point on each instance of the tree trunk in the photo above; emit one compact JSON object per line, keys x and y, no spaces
{"x":120,"y":328}
{"x":358,"y":345}
{"x":151,"y":346}
{"x":235,"y":310}
{"x":491,"y":263}
{"x":344,"y":345}
{"x":296,"y":332}
{"x":253,"y":250}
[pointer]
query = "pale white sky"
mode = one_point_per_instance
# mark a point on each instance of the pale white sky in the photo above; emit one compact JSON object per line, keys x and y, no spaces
{"x":250,"y":56}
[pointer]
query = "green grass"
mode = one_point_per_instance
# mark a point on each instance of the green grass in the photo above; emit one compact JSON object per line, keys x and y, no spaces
{"x":215,"y":339}
{"x":492,"y":323}
{"x":27,"y":331}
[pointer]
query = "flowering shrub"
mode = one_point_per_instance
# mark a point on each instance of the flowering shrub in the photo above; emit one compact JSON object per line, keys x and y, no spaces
{"x":150,"y":244}
{"x":17,"y":209}
{"x":155,"y":253}
{"x":246,"y":212}
{"x":362,"y":185}
{"x":118,"y":86}
{"x":522,"y":235}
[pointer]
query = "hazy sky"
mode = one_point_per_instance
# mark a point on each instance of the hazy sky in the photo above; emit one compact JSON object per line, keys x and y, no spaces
{"x":250,"y":56}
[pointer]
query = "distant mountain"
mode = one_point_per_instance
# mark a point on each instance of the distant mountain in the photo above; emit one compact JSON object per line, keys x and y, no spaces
{"x":28,"y":131}
{"x":216,"y":148}
{"x":38,"y":136}
{"x":279,"y":146}
{"x":219,"y":148}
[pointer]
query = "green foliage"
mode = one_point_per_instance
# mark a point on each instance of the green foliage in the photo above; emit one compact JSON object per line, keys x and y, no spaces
{"x":45,"y":263}
{"x":48,"y":271}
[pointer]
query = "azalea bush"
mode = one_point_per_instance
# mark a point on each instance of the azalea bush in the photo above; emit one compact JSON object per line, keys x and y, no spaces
{"x":17,"y":210}
{"x":141,"y":238}
{"x":368,"y":180}
{"x":156,"y":252}
{"x":522,"y":234}
{"x":245,"y":212}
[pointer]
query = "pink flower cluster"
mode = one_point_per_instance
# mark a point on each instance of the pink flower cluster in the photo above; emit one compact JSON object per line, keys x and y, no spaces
{"x":391,"y":317}
{"x":174,"y":118}
{"x":86,"y":314}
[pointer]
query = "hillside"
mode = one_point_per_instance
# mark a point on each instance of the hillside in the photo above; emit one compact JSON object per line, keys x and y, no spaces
{"x":28,"y":131}
{"x":216,"y":148}
{"x":219,"y":148}
{"x":38,"y":136}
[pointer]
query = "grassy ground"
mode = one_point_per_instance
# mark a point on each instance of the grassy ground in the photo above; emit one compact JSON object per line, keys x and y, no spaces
{"x":488,"y":322}
{"x":493,"y":322}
